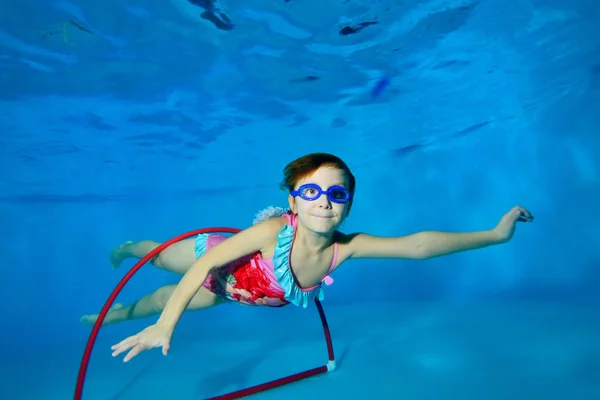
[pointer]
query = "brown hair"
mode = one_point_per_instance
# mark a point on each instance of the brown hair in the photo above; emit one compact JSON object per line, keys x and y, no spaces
{"x":306,"y":165}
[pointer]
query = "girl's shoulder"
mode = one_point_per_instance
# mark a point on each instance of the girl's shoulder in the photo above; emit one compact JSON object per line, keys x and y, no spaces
{"x":272,"y":212}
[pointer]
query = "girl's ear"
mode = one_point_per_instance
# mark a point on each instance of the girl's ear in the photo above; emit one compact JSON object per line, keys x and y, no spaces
{"x":292,"y":203}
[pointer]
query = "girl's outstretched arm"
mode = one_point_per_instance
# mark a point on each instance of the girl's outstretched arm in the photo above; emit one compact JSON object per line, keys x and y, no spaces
{"x":430,"y":244}
{"x":251,"y":240}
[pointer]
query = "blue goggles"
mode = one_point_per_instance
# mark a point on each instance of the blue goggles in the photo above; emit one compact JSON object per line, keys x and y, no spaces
{"x":312,"y":192}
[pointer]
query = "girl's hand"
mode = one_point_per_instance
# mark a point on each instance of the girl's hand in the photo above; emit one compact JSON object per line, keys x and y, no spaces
{"x":153,"y":336}
{"x":507,"y":225}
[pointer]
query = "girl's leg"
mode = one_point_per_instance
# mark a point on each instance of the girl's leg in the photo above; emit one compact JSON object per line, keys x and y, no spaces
{"x":178,"y":257}
{"x":153,"y":304}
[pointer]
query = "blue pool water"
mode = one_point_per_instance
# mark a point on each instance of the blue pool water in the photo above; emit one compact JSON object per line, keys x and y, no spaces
{"x":144,"y":120}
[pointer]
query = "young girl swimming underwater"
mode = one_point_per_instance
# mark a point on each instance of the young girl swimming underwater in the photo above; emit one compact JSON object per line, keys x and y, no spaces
{"x":285,"y":257}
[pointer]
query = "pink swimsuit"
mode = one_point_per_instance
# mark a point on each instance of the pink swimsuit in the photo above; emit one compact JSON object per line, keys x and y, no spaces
{"x":254,"y":280}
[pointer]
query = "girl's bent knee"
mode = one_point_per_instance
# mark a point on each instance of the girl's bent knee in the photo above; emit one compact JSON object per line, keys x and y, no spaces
{"x":161,"y":297}
{"x":157,"y":261}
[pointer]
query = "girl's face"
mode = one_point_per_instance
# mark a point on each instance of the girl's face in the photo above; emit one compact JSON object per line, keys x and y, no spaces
{"x":322,"y":215}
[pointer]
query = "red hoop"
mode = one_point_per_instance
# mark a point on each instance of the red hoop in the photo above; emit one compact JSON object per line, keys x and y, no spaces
{"x":330,"y":366}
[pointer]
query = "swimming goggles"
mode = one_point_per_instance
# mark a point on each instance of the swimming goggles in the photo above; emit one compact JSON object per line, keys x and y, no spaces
{"x":312,"y":192}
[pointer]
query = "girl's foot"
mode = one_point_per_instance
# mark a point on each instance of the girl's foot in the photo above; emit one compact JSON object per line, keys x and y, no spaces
{"x":90,"y":319}
{"x":117,"y":256}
